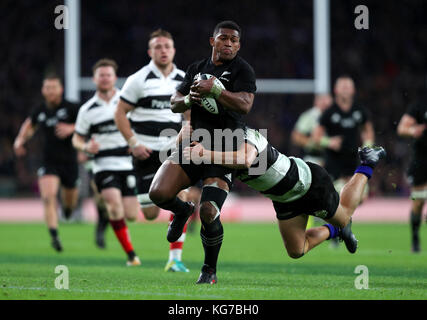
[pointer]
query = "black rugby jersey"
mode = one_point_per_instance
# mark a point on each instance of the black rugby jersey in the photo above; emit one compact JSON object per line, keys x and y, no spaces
{"x":55,"y":150}
{"x":236,"y":75}
{"x":418,"y":111}
{"x":345,"y":124}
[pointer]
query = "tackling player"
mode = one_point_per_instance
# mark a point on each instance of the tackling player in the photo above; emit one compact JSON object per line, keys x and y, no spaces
{"x":145,"y":96}
{"x":55,"y":118}
{"x":112,"y":166}
{"x":297,"y":189}
{"x":236,"y":99}
{"x":413,"y":124}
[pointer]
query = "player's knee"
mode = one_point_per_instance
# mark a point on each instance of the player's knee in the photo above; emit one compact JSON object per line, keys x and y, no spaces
{"x":295,"y":254}
{"x":150,"y":213}
{"x":207,"y":212}
{"x":159,"y":194}
{"x":49,"y":200}
{"x":417,"y":205}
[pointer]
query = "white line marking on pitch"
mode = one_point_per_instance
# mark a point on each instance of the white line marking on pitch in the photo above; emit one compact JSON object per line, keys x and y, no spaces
{"x":112,"y":291}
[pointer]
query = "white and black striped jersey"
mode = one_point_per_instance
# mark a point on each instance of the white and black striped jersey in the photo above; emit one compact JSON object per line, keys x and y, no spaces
{"x":149,"y":91}
{"x":286,"y":179}
{"x":96,"y":120}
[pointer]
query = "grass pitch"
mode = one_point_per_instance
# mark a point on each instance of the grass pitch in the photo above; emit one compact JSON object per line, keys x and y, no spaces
{"x":253,"y":264}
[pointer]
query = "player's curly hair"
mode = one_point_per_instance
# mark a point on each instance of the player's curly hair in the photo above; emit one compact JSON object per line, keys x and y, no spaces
{"x":228,"y":24}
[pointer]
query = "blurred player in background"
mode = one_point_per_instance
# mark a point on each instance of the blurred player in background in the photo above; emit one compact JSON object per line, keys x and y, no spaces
{"x":302,"y":133}
{"x":145,"y":97}
{"x":55,"y":118}
{"x":306,"y":123}
{"x":238,"y":78}
{"x":341,"y":129}
{"x":413,"y":124}
{"x":97,"y":135}
{"x":101,"y":208}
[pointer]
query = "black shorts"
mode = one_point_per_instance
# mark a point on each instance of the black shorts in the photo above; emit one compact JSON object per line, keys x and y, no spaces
{"x":321,"y":200}
{"x":67,"y":173}
{"x":123,"y":180}
{"x":417,"y":171}
{"x":145,"y":170}
{"x":341,"y":164}
{"x":197,"y":172}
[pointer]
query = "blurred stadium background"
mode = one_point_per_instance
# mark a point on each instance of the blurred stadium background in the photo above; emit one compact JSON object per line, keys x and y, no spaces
{"x":388,"y":63}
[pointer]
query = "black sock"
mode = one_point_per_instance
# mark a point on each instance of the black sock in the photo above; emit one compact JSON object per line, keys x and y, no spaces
{"x":212,"y":235}
{"x":131,"y":255}
{"x":53,"y":233}
{"x":103,"y":220}
{"x":67,"y":212}
{"x":177,"y":206}
{"x":415,"y":224}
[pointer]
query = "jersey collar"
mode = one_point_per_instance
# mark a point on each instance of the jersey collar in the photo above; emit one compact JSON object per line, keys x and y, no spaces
{"x":159,"y":74}
{"x":101,"y":101}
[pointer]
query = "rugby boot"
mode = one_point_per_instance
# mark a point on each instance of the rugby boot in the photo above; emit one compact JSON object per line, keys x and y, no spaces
{"x":207,"y":276}
{"x":348,"y":237}
{"x":371,"y":156}
{"x":177,"y":225}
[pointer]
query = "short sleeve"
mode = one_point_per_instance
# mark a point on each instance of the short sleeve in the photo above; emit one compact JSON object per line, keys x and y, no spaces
{"x":324,"y":119}
{"x":246,"y":80}
{"x":34,"y":116}
{"x":74,"y":110}
{"x":131,"y":91}
{"x":256,"y":139}
{"x":184,"y":86}
{"x":82,"y":124}
{"x":414,"y":111}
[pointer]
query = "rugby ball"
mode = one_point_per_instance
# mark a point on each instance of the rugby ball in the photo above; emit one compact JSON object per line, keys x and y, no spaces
{"x":209,"y":102}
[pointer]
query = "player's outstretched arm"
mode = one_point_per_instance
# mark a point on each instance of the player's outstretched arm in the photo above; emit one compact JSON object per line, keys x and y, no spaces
{"x":26,"y":131}
{"x":79,"y":142}
{"x":408,"y":127}
{"x":122,"y":122}
{"x":240,"y":102}
{"x":240,"y":159}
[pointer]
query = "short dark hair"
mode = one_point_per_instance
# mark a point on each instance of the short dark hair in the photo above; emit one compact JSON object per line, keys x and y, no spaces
{"x":52,"y":76}
{"x":105,"y":62}
{"x":160,"y":33}
{"x":227,"y":24}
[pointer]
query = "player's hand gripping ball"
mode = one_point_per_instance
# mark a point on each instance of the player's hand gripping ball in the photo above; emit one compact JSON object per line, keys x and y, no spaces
{"x":209,"y":101}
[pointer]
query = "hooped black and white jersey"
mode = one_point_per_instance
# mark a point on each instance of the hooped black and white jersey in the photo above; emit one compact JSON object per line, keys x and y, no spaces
{"x":149,"y":91}
{"x":96,"y":120}
{"x":285,"y":179}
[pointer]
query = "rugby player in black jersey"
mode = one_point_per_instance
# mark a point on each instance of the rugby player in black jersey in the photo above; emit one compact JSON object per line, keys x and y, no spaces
{"x":55,"y":118}
{"x":236,"y":99}
{"x":413,"y":124}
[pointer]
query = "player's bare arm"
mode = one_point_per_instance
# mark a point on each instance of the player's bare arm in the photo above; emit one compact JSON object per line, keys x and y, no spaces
{"x":321,"y":139}
{"x":122,"y":122}
{"x":180,"y":103}
{"x":240,"y":159}
{"x":240,"y":102}
{"x":408,"y":127}
{"x":25,"y":133}
{"x":79,"y":142}
{"x":64,"y":130}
